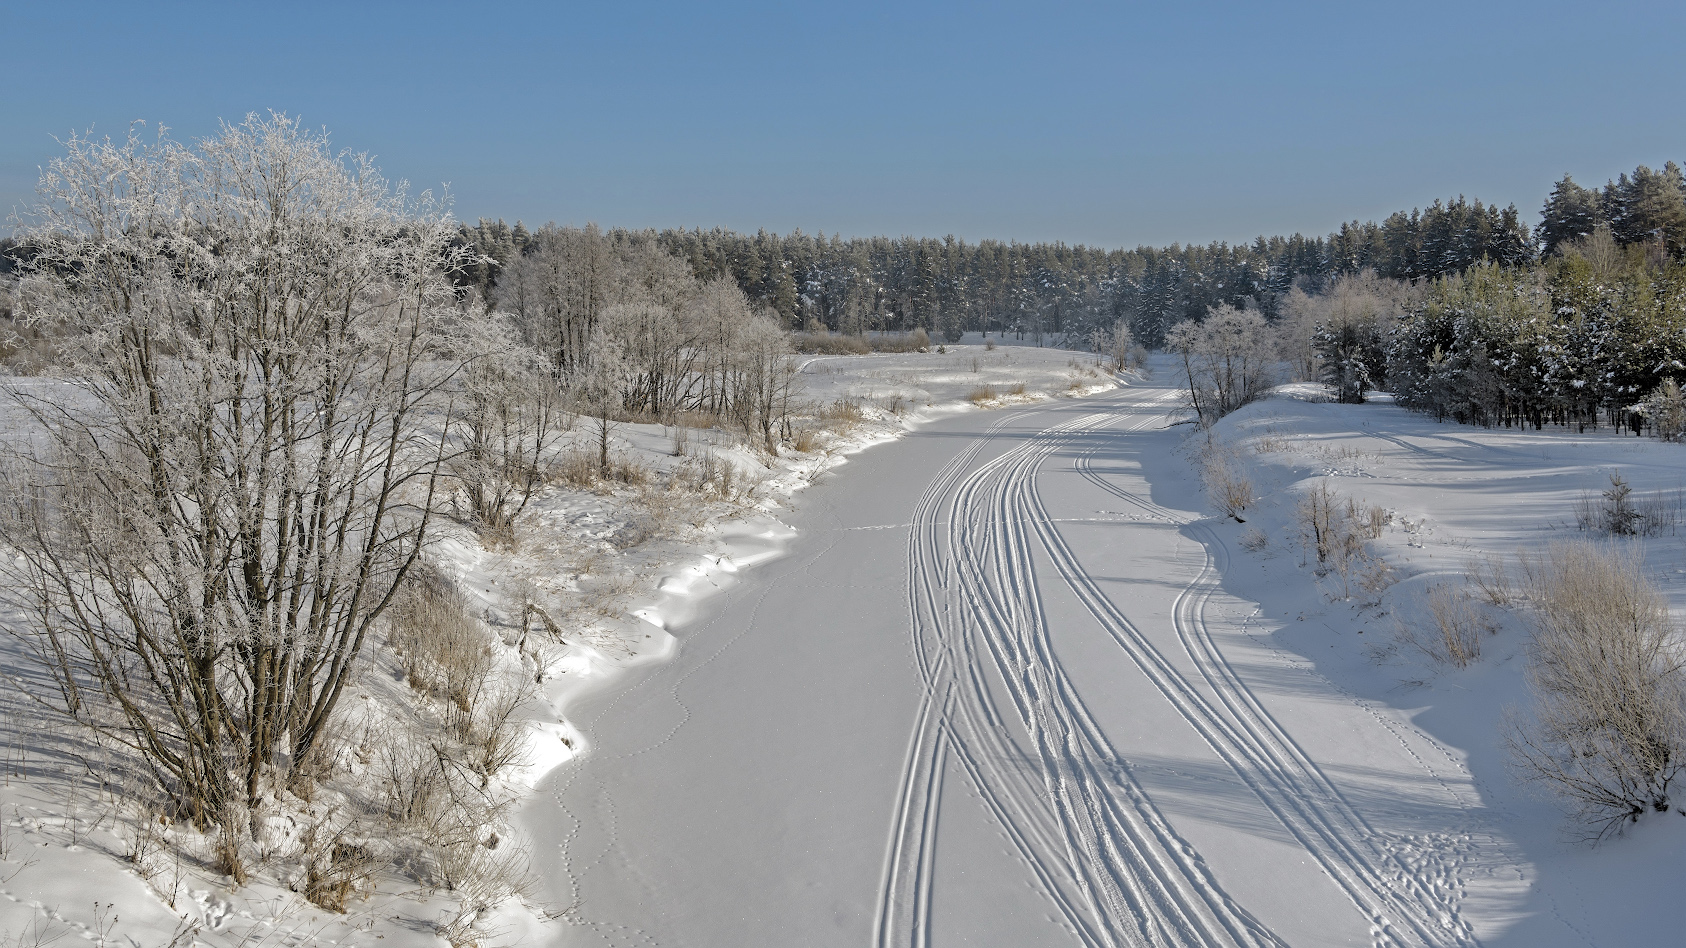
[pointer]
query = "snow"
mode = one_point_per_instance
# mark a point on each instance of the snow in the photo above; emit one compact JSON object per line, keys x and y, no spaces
{"x":995,"y":677}
{"x":618,"y":567}
{"x":1457,"y":493}
{"x":1162,"y":736}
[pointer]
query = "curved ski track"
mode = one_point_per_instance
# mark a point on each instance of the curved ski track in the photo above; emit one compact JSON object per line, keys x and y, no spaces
{"x":1104,"y":856}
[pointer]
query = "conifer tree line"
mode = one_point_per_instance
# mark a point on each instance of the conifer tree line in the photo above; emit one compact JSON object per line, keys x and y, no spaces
{"x":1462,"y":308}
{"x":1590,"y":332}
{"x":1042,"y":290}
{"x":1437,"y":331}
{"x":1595,"y":334}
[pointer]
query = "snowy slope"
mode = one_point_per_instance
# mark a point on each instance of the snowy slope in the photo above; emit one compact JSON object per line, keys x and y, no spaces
{"x":1049,"y":700}
{"x":1458,"y":494}
{"x":1005,"y":678}
{"x":613,"y":565}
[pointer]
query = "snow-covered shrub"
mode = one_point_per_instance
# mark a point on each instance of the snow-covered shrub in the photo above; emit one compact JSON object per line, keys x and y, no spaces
{"x":1227,"y":485}
{"x":1490,"y":577}
{"x":1618,"y":511}
{"x":1336,"y":529}
{"x":714,"y":476}
{"x":337,"y":863}
{"x":1608,"y":730}
{"x":1455,"y":638}
{"x":483,"y":874}
{"x":1666,"y":407}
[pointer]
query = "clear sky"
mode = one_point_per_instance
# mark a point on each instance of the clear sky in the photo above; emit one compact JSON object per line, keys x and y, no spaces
{"x":1101,"y":123}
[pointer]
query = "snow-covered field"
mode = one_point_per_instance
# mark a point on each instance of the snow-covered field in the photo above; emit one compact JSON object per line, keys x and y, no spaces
{"x":1005,"y":678}
{"x":613,"y":565}
{"x":1457,"y":495}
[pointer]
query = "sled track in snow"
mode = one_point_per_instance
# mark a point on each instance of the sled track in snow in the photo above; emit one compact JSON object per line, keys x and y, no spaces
{"x":1102,"y":853}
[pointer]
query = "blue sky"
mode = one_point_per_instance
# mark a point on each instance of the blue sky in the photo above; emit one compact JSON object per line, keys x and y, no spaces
{"x":1110,"y":124}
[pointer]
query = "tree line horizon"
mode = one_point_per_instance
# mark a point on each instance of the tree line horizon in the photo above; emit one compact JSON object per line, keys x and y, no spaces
{"x":948,"y":285}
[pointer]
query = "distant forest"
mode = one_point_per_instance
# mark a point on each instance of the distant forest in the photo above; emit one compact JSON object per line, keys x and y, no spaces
{"x":949,"y":286}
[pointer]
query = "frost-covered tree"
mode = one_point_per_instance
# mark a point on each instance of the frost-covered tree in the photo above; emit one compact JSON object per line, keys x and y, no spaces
{"x":597,"y":381}
{"x":764,"y":377}
{"x":1226,"y":359}
{"x":507,"y":413}
{"x":238,"y":474}
{"x":1666,"y":409}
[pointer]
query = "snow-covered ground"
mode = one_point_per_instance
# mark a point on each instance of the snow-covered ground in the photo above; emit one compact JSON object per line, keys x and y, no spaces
{"x":1005,"y":678}
{"x":1049,"y":698}
{"x":612,"y":565}
{"x":1457,"y":495}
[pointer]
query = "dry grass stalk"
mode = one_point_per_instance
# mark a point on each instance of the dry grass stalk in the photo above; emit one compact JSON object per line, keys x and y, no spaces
{"x":806,"y":441}
{"x":582,"y":468}
{"x":1458,"y":625}
{"x":226,"y":857}
{"x":444,"y":651}
{"x":1254,"y":540}
{"x":1608,"y":734}
{"x":1227,"y":486}
{"x":336,"y":865}
{"x":1490,"y":577}
{"x":1337,"y":531}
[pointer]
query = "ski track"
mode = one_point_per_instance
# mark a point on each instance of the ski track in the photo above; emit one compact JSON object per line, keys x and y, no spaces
{"x":1104,"y":856}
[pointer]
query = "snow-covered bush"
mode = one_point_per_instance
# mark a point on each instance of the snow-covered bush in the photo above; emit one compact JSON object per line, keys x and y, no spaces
{"x":1337,"y":530}
{"x":1491,"y":578}
{"x":1666,"y":408}
{"x":1455,"y":638}
{"x":241,"y":474}
{"x":1607,"y":733}
{"x":1225,"y":480}
{"x":1227,"y":360}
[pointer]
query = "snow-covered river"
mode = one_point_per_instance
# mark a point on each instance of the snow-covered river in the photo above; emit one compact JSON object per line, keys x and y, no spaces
{"x":994,"y":693}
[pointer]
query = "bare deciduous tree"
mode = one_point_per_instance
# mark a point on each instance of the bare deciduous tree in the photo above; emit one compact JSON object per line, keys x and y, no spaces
{"x":1226,"y":358}
{"x":507,"y":417}
{"x":559,"y":291}
{"x":215,"y":515}
{"x":598,"y":382}
{"x":764,"y":377}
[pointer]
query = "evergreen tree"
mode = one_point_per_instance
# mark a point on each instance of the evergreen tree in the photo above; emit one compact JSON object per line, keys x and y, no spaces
{"x":1570,"y":213}
{"x":1650,"y":208}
